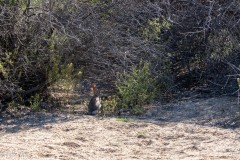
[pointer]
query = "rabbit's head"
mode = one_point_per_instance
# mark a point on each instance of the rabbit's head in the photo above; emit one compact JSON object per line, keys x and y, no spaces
{"x":94,"y":89}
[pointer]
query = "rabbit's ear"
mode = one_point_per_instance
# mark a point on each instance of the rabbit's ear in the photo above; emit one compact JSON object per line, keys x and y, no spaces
{"x":94,"y":88}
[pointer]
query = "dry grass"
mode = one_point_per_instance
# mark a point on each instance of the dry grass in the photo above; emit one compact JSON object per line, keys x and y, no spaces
{"x":67,"y":136}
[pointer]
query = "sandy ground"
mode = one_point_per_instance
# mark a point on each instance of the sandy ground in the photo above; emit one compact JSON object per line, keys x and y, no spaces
{"x":193,"y":130}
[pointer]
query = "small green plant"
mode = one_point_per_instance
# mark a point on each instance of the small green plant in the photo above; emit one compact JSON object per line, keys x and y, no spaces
{"x":141,"y":134}
{"x":110,"y":105}
{"x":220,"y":44}
{"x":3,"y":70}
{"x":136,"y":88}
{"x":35,"y":102}
{"x":123,"y":119}
{"x":13,"y":106}
{"x":154,"y":27}
{"x":138,"y":110}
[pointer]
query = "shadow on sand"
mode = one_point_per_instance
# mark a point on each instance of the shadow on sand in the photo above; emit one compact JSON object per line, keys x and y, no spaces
{"x":217,"y":112}
{"x":35,"y":120}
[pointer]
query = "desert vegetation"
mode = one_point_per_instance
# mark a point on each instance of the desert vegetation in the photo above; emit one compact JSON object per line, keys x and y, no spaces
{"x":186,"y":45}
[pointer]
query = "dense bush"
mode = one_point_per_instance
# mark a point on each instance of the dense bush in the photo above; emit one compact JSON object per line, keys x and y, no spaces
{"x":136,"y":88}
{"x":32,"y":52}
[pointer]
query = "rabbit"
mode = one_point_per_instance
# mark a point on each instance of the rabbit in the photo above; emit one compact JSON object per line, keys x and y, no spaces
{"x":94,"y":106}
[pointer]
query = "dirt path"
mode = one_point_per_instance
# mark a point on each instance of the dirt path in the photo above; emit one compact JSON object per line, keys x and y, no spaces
{"x":60,"y":136}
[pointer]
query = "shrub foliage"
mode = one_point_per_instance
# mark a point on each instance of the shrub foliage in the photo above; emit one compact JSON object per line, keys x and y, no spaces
{"x":192,"y":44}
{"x":136,"y":88}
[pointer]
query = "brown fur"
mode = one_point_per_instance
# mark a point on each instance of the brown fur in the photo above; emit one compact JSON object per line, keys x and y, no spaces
{"x":94,"y":106}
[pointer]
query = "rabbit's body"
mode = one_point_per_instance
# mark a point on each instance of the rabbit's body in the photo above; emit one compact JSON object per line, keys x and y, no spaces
{"x":94,"y":106}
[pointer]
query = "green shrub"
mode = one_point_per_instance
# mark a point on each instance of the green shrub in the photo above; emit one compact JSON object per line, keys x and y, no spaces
{"x":110,"y":105}
{"x":154,"y":27}
{"x":35,"y":102}
{"x":63,"y":75}
{"x":220,"y":44}
{"x":136,"y":88}
{"x":3,"y":70}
